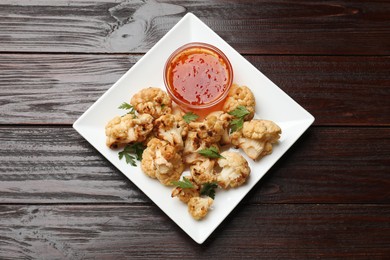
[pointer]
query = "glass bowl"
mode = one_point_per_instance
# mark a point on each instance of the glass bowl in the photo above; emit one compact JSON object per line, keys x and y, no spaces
{"x":198,"y":77}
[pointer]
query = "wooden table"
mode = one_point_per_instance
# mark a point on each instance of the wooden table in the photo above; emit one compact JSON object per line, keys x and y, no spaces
{"x":328,"y":197}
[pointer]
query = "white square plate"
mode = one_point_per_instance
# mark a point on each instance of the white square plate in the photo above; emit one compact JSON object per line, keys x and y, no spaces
{"x":272,"y":104}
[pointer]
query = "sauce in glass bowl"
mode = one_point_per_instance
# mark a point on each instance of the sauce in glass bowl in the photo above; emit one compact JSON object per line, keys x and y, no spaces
{"x":198,"y":77}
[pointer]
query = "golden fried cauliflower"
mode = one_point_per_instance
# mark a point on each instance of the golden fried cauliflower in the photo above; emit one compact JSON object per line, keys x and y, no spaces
{"x":235,"y":170}
{"x":256,"y":137}
{"x":148,"y":138}
{"x":185,"y":194}
{"x":160,"y":160}
{"x":198,"y":207}
{"x":171,"y":128}
{"x":223,"y":120}
{"x":127,"y":129}
{"x":210,"y":130}
{"x":203,"y":171}
{"x":240,"y":96}
{"x":153,"y":101}
{"x":176,"y":110}
{"x":192,"y":145}
{"x":148,"y":157}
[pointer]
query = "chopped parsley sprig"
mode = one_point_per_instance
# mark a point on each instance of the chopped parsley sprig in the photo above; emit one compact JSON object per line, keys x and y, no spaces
{"x":127,"y":106}
{"x":184,"y":184}
{"x":239,"y":113}
{"x":190,"y":116}
{"x":211,"y":152}
{"x":131,"y":153}
{"x":208,"y":189}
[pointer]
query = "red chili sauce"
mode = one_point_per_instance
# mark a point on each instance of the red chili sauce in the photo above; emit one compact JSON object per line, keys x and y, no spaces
{"x":198,"y":76}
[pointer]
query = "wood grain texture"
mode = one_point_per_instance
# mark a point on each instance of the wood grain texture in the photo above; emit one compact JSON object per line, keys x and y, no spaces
{"x":47,"y":88}
{"x":336,"y":90}
{"x":57,"y":89}
{"x":328,"y":197}
{"x":255,"y":231}
{"x":257,"y":27}
{"x":327,"y":165}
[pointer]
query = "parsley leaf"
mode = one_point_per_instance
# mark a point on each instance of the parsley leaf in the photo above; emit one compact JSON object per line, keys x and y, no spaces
{"x":236,"y":124}
{"x":208,"y":189}
{"x":184,"y":184}
{"x":240,"y":113}
{"x":129,"y":158}
{"x":211,"y":152}
{"x":138,"y":149}
{"x":190,"y":116}
{"x":127,"y":106}
{"x":129,"y":150}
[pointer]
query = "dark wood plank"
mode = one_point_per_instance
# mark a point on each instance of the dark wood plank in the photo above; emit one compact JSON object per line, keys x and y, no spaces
{"x":57,"y":89}
{"x":332,"y":165}
{"x":327,"y":165}
{"x":56,"y":164}
{"x":336,"y":90}
{"x":46,"y":89}
{"x":255,"y":231}
{"x":258,"y":27}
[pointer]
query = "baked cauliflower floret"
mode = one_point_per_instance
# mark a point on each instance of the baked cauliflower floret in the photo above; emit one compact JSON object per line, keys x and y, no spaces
{"x":256,"y":137}
{"x":149,"y":156}
{"x":148,"y":138}
{"x":198,"y":207}
{"x":235,"y":170}
{"x":160,"y":160}
{"x":127,"y":129}
{"x":203,"y":171}
{"x":153,"y":101}
{"x":176,"y":110}
{"x":210,"y":130}
{"x":171,"y":128}
{"x":185,"y":194}
{"x":224,"y":120}
{"x":192,"y":145}
{"x":240,"y":96}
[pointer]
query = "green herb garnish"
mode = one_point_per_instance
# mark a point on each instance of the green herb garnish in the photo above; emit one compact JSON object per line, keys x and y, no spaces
{"x":240,"y":113}
{"x":129,"y":151}
{"x":138,"y":149}
{"x":184,"y":184}
{"x":236,"y":124}
{"x":127,"y":106}
{"x":211,"y":152}
{"x":208,"y":189}
{"x":190,"y":116}
{"x":130,"y":159}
